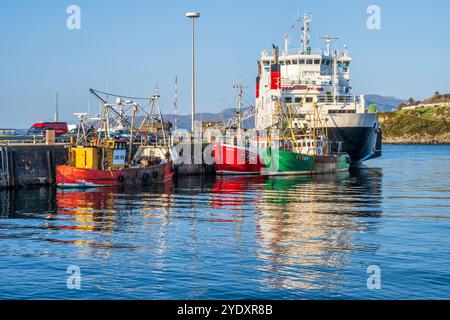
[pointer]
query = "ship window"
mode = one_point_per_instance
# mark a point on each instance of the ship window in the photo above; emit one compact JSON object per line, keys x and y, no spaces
{"x":282,"y":63}
{"x":288,"y":99}
{"x":294,"y":61}
{"x":309,"y":61}
{"x":327,"y":62}
{"x":309,"y":99}
{"x":267,"y":63}
{"x":288,"y":62}
{"x":298,"y":100}
{"x":302,"y":61}
{"x":316,"y":61}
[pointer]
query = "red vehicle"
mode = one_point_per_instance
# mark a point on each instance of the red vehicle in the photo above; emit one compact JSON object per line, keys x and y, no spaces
{"x":38,"y":129}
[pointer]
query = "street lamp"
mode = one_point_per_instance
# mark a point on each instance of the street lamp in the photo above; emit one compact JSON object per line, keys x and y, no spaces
{"x":193,"y":15}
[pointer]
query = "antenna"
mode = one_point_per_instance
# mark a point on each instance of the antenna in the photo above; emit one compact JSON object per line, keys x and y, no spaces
{"x":328,"y":42}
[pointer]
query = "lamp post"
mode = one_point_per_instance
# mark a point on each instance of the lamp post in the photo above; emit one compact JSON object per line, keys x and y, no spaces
{"x":193,"y":15}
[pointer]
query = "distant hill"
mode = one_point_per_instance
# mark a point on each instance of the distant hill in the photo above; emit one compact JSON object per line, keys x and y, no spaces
{"x":184,"y":121}
{"x":384,"y":103}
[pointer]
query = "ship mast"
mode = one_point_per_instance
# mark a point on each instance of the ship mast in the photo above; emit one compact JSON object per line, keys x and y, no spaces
{"x":328,"y":41}
{"x":286,"y":44}
{"x":307,"y":19}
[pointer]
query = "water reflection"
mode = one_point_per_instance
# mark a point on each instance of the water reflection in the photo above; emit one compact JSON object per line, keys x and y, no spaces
{"x":235,"y":193}
{"x":284,"y":233}
{"x":309,"y":222}
{"x":24,"y":203}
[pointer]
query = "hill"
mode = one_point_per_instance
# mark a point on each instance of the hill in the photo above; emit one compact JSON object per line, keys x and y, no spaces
{"x":418,"y":126}
{"x":384,"y":103}
{"x":184,"y":121}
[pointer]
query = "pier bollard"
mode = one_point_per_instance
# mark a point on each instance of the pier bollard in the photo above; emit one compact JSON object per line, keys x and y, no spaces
{"x":50,"y":137}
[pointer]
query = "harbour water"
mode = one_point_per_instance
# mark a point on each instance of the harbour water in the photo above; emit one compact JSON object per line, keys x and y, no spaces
{"x":238,"y":237}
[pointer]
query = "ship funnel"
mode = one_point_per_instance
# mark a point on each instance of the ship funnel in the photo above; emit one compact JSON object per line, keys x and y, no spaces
{"x":275,"y":75}
{"x":275,"y":53}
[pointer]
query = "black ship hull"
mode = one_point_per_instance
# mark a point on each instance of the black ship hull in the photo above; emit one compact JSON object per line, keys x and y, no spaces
{"x":361,"y":143}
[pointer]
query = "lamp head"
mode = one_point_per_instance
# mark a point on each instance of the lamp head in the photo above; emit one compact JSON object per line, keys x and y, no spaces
{"x":193,"y":14}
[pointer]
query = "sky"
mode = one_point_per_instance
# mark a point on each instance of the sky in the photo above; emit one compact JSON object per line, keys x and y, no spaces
{"x":130,"y":47}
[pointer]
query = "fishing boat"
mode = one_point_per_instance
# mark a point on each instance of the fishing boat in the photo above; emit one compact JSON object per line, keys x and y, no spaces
{"x":233,"y":154}
{"x":302,"y":149}
{"x":110,"y":160}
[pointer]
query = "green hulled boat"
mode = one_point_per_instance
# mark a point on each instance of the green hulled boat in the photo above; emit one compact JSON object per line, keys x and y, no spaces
{"x":285,"y":162}
{"x":302,"y":144}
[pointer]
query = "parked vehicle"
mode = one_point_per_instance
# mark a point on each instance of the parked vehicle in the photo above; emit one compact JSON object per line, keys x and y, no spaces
{"x":38,"y":129}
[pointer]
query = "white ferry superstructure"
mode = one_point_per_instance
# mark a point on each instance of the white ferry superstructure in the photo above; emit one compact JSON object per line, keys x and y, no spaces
{"x":306,"y":78}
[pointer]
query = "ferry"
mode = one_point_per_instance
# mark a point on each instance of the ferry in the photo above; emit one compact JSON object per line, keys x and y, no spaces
{"x":305,"y":77}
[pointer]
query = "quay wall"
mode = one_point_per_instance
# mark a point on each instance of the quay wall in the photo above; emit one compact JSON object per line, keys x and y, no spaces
{"x":24,"y":165}
{"x":192,"y":159}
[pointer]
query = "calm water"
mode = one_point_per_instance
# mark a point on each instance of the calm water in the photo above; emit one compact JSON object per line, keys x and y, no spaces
{"x":239,"y":238}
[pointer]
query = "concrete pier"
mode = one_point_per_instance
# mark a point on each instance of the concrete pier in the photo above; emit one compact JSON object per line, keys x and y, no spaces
{"x":24,"y":165}
{"x":194,"y":159}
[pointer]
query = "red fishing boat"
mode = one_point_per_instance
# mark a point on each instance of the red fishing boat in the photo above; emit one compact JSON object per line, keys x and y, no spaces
{"x":237,"y":157}
{"x":109,"y":160}
{"x":236,"y":160}
{"x":87,"y":169}
{"x":72,"y":177}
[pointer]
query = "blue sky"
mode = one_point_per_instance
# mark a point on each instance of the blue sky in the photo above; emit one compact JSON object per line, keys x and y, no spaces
{"x":131,"y":46}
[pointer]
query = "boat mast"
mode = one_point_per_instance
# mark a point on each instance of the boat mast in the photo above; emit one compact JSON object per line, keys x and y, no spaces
{"x":175,"y":103}
{"x":134,"y":109}
{"x":240,"y":89}
{"x":335,"y":76}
